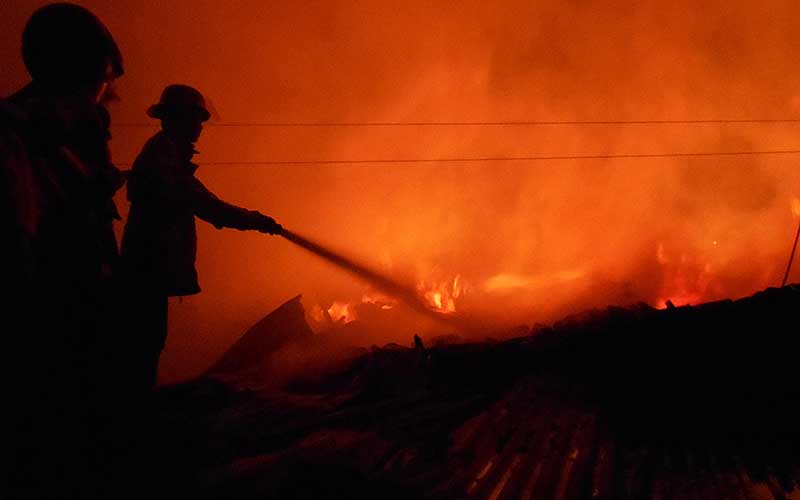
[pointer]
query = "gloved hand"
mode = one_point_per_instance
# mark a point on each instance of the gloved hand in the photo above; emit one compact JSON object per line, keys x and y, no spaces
{"x":266,"y":224}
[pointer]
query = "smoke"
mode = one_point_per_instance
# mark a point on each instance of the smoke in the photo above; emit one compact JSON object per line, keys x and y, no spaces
{"x":531,"y":240}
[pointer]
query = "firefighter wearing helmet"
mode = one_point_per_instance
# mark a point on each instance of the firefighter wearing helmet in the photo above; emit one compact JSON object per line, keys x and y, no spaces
{"x":59,"y":255}
{"x":159,"y":245}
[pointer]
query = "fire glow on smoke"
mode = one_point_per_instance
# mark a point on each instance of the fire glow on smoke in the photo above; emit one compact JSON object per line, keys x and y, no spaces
{"x":686,"y":278}
{"x":528,"y":241}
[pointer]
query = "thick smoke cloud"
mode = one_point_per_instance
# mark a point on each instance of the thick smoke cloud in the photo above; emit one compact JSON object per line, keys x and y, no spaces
{"x":532,"y":240}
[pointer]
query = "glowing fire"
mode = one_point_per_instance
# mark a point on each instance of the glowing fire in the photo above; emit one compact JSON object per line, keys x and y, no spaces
{"x":685,"y":280}
{"x":796,"y":207}
{"x":442,"y":295}
{"x":506,"y":282}
{"x":378,"y":299}
{"x":342,"y":312}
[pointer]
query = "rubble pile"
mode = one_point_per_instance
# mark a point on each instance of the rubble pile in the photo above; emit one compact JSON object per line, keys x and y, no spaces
{"x":689,"y":402}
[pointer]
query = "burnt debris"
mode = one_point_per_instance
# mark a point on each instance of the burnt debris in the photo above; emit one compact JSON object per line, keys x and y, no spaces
{"x":634,"y":402}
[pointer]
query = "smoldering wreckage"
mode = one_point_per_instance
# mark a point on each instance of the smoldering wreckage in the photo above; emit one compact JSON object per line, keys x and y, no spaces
{"x":624,"y":402}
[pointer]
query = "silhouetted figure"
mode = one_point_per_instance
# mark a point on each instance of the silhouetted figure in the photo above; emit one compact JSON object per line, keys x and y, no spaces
{"x":160,"y":242}
{"x":422,"y":353}
{"x":58,"y":252}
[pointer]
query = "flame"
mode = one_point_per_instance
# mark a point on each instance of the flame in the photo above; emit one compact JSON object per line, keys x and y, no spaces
{"x":342,"y":312}
{"x":685,"y":280}
{"x":504,"y":282}
{"x":441,"y":295}
{"x":378,"y":299}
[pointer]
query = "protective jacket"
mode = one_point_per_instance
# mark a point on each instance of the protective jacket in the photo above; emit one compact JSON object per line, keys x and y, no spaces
{"x":159,"y":245}
{"x":58,"y":187}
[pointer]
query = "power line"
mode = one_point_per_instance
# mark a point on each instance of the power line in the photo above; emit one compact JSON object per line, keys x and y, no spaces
{"x":495,"y":158}
{"x":474,"y":123}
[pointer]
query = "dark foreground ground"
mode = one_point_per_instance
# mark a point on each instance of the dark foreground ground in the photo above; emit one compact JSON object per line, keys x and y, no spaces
{"x":693,"y":402}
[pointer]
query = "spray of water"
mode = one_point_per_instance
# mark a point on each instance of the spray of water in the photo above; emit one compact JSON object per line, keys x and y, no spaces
{"x":398,"y":290}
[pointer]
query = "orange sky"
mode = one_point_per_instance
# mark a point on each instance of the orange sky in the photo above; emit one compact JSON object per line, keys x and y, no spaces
{"x":533,"y":239}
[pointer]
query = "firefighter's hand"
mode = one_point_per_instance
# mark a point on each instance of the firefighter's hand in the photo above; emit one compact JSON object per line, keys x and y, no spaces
{"x":267,"y":224}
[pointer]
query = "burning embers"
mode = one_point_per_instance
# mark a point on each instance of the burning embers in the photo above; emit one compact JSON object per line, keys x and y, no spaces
{"x":506,"y":282}
{"x":684,"y":280}
{"x":695,"y":275}
{"x":341,"y":312}
{"x":440,"y":296}
{"x":673,"y":270}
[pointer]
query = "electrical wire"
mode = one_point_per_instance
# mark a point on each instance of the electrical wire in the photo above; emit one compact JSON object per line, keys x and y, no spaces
{"x":495,"y":158}
{"x":525,"y":123}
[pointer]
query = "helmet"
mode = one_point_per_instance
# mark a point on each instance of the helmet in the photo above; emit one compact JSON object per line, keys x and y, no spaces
{"x":179,"y":98}
{"x":66,"y":45}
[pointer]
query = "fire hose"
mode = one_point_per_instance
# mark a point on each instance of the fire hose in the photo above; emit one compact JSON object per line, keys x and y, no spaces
{"x":388,"y":285}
